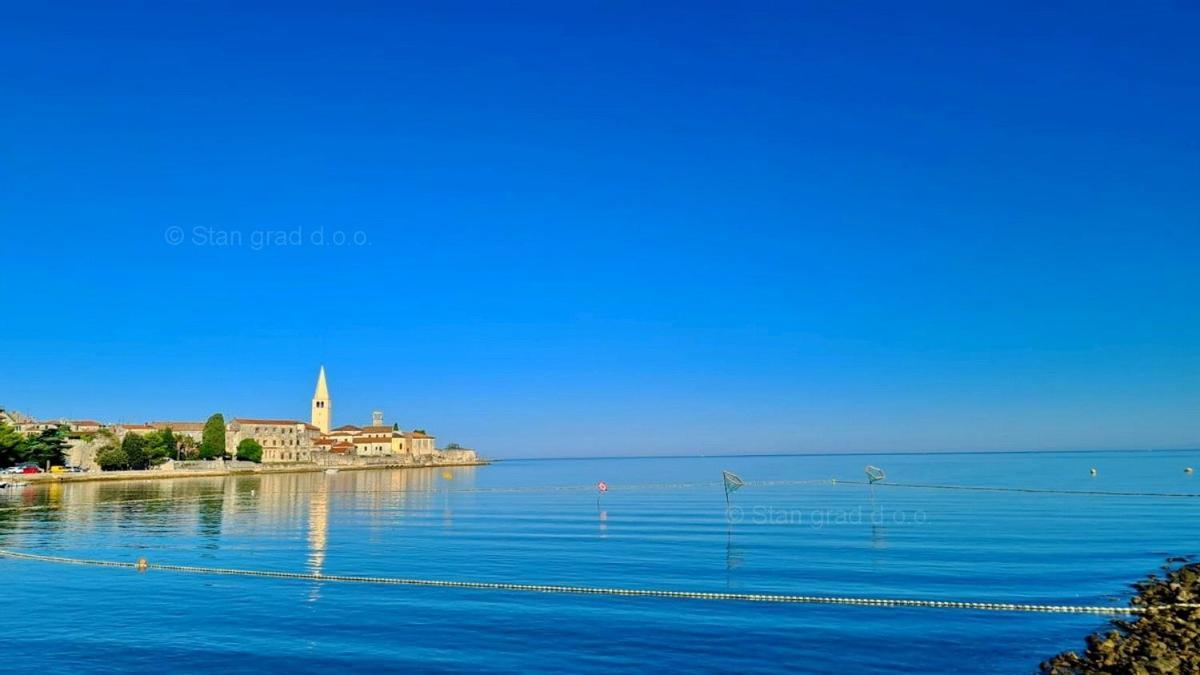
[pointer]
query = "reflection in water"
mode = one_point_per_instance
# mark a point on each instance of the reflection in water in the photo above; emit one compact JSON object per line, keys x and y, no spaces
{"x":318,"y":527}
{"x":878,"y":537}
{"x":318,"y":533}
{"x":209,"y":522}
{"x":733,"y":555}
{"x":213,"y":512}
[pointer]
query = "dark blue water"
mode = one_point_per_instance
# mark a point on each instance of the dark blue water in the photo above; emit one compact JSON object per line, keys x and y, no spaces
{"x":662,"y":525}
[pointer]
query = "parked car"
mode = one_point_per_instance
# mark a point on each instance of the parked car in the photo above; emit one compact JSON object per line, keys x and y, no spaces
{"x":30,"y":468}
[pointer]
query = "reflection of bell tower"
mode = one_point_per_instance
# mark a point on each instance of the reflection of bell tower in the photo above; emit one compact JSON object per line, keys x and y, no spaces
{"x":318,"y":533}
{"x":322,"y":407}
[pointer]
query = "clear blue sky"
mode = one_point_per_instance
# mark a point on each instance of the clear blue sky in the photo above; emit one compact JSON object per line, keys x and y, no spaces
{"x":607,"y":228}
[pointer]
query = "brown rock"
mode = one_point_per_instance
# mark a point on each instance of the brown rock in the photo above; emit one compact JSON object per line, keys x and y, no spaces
{"x":1163,"y":640}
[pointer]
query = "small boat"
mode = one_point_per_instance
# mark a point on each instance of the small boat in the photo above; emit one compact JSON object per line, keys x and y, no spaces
{"x":330,"y":472}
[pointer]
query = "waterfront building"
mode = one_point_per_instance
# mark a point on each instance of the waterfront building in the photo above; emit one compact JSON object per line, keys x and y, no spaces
{"x":346,"y":432}
{"x":281,"y":440}
{"x":420,"y":444}
{"x":376,"y":439}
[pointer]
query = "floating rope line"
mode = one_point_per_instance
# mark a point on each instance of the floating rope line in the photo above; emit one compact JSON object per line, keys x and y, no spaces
{"x":1052,"y":491}
{"x":142,"y":565}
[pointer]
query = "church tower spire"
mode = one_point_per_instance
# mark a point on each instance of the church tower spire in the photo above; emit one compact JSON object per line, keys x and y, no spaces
{"x":322,"y":406}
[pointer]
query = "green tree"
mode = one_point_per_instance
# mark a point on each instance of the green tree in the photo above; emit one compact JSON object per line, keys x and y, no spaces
{"x":134,"y":450}
{"x":160,"y":446}
{"x":249,"y":450}
{"x":49,"y":447}
{"x":170,"y":442}
{"x":212,"y":441}
{"x":112,"y":457}
{"x":12,"y":445}
{"x":395,"y":426}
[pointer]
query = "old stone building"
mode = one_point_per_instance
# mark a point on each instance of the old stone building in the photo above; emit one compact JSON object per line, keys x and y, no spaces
{"x":294,"y":441}
{"x":140,"y":429}
{"x":420,"y":444}
{"x":281,"y":440}
{"x":85,"y":426}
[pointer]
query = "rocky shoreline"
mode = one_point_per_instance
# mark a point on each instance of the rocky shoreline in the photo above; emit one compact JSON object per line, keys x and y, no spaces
{"x":1159,"y":641}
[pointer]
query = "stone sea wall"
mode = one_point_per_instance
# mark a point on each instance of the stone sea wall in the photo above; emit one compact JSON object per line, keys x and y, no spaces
{"x":218,"y":467}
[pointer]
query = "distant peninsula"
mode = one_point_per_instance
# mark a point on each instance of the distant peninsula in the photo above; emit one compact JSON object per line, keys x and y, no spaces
{"x":68,"y":448}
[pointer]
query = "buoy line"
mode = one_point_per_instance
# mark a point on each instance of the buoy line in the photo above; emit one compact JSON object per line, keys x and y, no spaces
{"x":1053,"y":491}
{"x":142,"y":565}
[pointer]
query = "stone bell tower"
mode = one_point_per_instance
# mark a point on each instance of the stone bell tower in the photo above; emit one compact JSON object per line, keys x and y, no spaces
{"x":322,"y":407}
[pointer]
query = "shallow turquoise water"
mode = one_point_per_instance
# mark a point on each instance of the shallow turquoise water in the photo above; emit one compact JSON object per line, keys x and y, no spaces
{"x":662,"y":525}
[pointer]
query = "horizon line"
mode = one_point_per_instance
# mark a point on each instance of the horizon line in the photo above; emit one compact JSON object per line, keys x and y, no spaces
{"x":847,"y":454}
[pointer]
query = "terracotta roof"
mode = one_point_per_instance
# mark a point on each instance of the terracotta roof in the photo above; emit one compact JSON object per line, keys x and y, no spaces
{"x":418,"y":434}
{"x":144,"y":427}
{"x":89,"y":423}
{"x":347,"y":427}
{"x":378,"y":429}
{"x":372,"y":439}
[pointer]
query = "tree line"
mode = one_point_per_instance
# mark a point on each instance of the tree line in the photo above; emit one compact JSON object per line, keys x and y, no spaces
{"x":142,"y":451}
{"x":138,"y":451}
{"x":134,"y":451}
{"x":50,"y":446}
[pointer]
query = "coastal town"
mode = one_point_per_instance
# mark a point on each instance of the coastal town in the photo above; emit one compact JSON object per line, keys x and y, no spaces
{"x":241,"y":443}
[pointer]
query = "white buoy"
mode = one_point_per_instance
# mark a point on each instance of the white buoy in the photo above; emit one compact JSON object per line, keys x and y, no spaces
{"x":1093,"y":471}
{"x":1188,"y":470}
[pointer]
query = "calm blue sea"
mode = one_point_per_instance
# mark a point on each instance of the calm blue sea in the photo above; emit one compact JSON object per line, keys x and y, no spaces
{"x":663,"y":524}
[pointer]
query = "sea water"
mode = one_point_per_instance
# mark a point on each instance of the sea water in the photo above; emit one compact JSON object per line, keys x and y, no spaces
{"x":663,"y":523}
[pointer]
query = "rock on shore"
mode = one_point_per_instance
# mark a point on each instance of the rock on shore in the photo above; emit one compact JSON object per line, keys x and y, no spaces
{"x":1159,"y":641}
